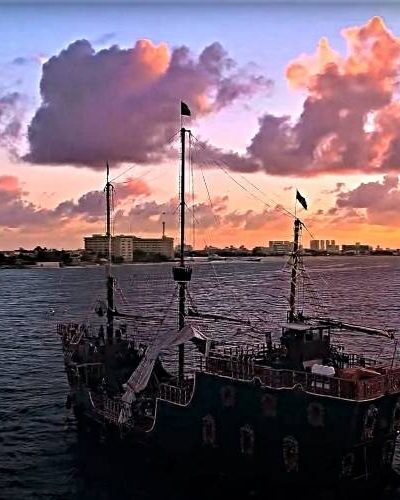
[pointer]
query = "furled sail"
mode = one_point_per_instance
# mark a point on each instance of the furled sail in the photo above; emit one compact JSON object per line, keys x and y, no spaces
{"x":140,"y":377}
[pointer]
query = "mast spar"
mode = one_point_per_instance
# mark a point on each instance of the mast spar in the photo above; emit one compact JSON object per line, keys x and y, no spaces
{"x":182,"y":273}
{"x":295,"y":265}
{"x":110,"y":279}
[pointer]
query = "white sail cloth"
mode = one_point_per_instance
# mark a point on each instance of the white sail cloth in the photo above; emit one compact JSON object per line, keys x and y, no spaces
{"x":141,"y":376}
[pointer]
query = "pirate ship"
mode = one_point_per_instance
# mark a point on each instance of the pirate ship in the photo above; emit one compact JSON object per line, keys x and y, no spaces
{"x":301,"y":411}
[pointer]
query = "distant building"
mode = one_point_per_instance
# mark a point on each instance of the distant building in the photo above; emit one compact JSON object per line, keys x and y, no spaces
{"x":324,"y":246}
{"x":356,"y":249}
{"x":97,"y":243}
{"x":187,"y":248}
{"x":280,"y":247}
{"x":332,"y":248}
{"x":163,"y":246}
{"x":124,"y":246}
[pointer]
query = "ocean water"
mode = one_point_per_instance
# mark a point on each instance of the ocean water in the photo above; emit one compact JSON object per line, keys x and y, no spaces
{"x":42,"y":455}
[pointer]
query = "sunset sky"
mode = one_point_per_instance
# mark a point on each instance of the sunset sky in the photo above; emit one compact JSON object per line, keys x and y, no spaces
{"x":283,"y":97}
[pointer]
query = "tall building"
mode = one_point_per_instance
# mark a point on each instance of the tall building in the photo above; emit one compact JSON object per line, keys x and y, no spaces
{"x":324,"y":245}
{"x":125,"y":245}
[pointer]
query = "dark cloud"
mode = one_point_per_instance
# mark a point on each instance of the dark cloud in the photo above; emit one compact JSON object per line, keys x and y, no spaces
{"x":122,"y":104}
{"x":378,"y":200}
{"x":16,"y":212}
{"x":21,"y":61}
{"x":12,"y":112}
{"x":339,"y":187}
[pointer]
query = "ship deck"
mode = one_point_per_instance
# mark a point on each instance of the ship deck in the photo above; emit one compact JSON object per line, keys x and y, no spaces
{"x":384,"y":380}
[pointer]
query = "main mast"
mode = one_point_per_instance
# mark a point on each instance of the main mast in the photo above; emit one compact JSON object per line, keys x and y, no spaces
{"x":110,"y":279}
{"x":182,"y":274}
{"x":295,"y":266}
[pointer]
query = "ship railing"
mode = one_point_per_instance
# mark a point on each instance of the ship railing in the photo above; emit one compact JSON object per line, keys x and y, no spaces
{"x":246,"y":369}
{"x":110,"y":409}
{"x":245,"y":351}
{"x":175,"y":394}
{"x":72,"y":333}
{"x":350,"y":360}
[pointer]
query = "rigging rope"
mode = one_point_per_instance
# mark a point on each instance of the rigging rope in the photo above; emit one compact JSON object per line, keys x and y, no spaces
{"x":222,"y":165}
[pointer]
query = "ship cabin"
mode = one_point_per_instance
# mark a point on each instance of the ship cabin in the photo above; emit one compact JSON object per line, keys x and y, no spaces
{"x":305,"y":345}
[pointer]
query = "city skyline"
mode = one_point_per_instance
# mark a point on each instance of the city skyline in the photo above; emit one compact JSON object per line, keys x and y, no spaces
{"x":318,"y":115}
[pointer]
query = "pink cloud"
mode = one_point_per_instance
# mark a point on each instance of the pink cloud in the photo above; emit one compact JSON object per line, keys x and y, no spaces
{"x":350,"y":120}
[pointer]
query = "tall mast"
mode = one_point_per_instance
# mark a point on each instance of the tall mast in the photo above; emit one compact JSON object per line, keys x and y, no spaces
{"x":182,"y":274}
{"x":110,"y":279}
{"x":295,"y":265}
{"x":182,"y":201}
{"x":182,"y":284}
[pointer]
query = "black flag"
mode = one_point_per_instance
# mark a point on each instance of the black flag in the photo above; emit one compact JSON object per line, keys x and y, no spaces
{"x":185,"y":111}
{"x":301,"y":200}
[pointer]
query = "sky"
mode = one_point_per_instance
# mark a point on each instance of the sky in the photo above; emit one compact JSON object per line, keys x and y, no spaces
{"x":284,"y":97}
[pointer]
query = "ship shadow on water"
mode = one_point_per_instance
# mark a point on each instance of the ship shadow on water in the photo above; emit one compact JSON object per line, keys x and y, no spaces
{"x":106,"y":471}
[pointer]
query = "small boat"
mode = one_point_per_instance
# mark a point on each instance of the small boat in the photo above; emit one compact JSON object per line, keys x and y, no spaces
{"x":213,"y":257}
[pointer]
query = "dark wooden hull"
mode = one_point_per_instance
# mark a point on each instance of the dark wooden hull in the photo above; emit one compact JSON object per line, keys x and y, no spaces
{"x":278,"y":439}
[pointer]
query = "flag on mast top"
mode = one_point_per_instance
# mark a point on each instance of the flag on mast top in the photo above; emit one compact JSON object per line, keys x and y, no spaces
{"x":185,"y":111}
{"x":301,"y":200}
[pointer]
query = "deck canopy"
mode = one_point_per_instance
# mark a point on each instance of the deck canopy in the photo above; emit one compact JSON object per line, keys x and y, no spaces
{"x":140,"y":377}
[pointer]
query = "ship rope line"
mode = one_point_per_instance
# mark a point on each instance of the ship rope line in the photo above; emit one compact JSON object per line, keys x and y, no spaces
{"x":169,"y":143}
{"x":224,"y":166}
{"x":221,"y":164}
{"x":191,"y":172}
{"x":248,"y":320}
{"x":249,"y":193}
{"x":217,"y":222}
{"x":218,"y":281}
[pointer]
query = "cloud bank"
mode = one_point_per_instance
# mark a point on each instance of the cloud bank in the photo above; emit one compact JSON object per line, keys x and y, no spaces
{"x":350,"y":120}
{"x":18,"y":213}
{"x":123,"y":104}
